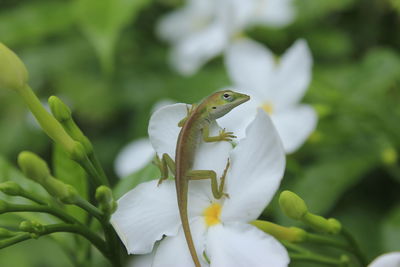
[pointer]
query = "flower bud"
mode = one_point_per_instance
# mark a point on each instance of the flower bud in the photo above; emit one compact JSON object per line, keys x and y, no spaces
{"x":389,"y":156}
{"x":319,"y":223}
{"x":32,"y":227}
{"x":60,"y":111}
{"x":291,"y":234}
{"x":104,"y":197}
{"x":11,"y":188}
{"x":66,"y":193}
{"x":292,"y":205}
{"x":13,"y":74}
{"x":33,"y":166}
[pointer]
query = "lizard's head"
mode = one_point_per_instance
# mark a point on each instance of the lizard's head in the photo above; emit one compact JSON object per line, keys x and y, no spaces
{"x":224,"y":101}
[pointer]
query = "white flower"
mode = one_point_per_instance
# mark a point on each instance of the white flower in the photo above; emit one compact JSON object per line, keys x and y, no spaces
{"x":387,"y":260}
{"x":277,"y":88}
{"x":219,"y":227}
{"x":138,"y":153}
{"x":202,"y":29}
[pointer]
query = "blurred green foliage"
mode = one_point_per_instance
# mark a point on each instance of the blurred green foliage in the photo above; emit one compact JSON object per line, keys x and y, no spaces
{"x":104,"y":60}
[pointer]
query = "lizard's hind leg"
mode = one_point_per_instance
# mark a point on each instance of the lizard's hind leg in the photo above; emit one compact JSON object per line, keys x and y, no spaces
{"x":165,"y":163}
{"x":218,"y":191}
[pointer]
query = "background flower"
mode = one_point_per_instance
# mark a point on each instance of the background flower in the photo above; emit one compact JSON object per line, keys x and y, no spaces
{"x":202,"y":29}
{"x":277,"y":88}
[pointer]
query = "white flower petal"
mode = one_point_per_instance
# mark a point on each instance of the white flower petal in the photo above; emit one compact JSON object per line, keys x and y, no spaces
{"x":133,"y":157}
{"x":185,"y":21}
{"x":258,"y":163}
{"x":162,"y":103}
{"x":387,"y":260}
{"x":293,"y":75}
{"x":145,"y":214}
{"x":195,"y":50}
{"x":173,"y":251}
{"x":275,"y":13}
{"x":250,"y":65}
{"x":243,"y":245}
{"x":163,"y":128}
{"x":294,"y":125}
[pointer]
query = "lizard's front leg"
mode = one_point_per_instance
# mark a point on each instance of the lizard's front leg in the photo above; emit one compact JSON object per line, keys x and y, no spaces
{"x":218,"y":191}
{"x":165,"y":163}
{"x":223,"y":135}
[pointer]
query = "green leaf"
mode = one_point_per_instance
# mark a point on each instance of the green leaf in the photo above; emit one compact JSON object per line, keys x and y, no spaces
{"x":71,"y":173}
{"x":391,"y":230}
{"x":148,"y":173}
{"x":31,"y":22}
{"x":324,"y":182}
{"x":103,"y":20}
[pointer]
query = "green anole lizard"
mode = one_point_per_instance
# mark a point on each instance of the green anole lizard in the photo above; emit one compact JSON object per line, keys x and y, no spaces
{"x":195,"y":126}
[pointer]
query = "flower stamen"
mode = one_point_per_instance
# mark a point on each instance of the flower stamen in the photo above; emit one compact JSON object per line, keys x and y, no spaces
{"x":268,"y":107}
{"x":211,"y":214}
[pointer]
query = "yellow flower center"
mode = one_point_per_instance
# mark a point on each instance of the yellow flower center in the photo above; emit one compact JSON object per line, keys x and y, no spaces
{"x":211,"y":214}
{"x":268,"y":107}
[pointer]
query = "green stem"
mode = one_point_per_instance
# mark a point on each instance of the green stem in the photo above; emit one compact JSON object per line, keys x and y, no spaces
{"x":88,"y":207}
{"x":91,"y":170}
{"x":45,"y":209}
{"x":356,"y":249}
{"x":47,"y":122}
{"x":68,"y":228}
{"x":304,"y":254}
{"x":99,"y":168}
{"x":315,"y":258}
{"x":320,"y":239}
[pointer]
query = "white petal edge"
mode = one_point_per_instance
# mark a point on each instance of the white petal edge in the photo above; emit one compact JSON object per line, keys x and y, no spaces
{"x":173,"y":251}
{"x":274,"y":13}
{"x":250,"y":66}
{"x":242,"y":245}
{"x":185,"y":21}
{"x":258,"y":164}
{"x":391,"y":259}
{"x":133,"y":157}
{"x":295,"y":125}
{"x":145,"y":214}
{"x":163,"y":128}
{"x":293,"y":75}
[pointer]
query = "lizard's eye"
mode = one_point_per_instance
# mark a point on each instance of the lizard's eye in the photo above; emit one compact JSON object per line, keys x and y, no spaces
{"x":227,"y":97}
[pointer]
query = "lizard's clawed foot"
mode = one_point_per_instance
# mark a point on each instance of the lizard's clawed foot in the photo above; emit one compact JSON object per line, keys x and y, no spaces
{"x":226,"y":136}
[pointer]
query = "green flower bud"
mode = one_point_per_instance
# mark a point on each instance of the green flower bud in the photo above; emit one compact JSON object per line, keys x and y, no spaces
{"x":66,"y":193}
{"x":60,"y":111}
{"x":389,"y":156}
{"x":11,"y":188}
{"x":291,"y":234}
{"x":321,"y":224}
{"x":33,"y":166}
{"x":104,"y":197}
{"x":13,"y":74}
{"x":78,"y":152}
{"x":32,"y":227}
{"x":292,"y":205}
{"x":335,"y":226}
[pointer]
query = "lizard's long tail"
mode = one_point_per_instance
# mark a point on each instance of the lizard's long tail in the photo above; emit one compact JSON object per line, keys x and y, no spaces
{"x":186,"y":229}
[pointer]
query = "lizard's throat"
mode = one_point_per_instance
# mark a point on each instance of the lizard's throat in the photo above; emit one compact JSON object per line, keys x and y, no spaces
{"x":212,"y":214}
